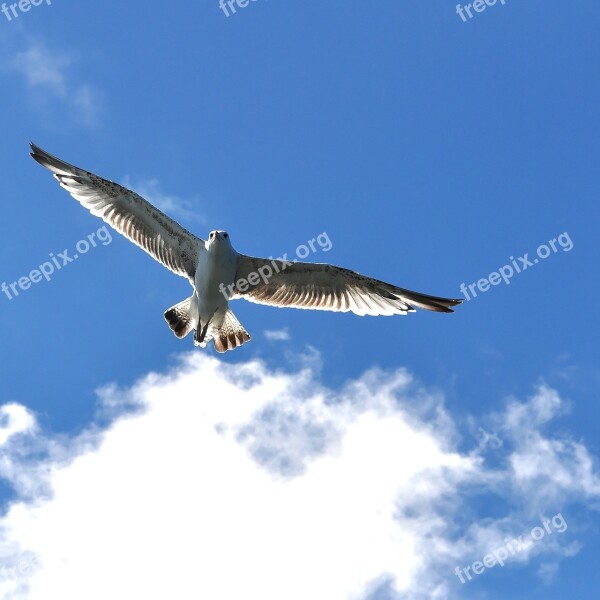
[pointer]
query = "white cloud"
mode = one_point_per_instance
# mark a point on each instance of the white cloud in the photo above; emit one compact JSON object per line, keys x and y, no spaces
{"x":234,"y":481}
{"x":543,"y":469}
{"x":47,"y":75}
{"x":277,"y":335}
{"x":14,"y":419}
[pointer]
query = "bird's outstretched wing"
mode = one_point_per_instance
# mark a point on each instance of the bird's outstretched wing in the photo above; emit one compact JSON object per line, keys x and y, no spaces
{"x":128,"y":213}
{"x":319,"y":286}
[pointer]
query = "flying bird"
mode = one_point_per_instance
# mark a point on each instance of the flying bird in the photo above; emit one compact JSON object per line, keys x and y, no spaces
{"x":218,"y":273}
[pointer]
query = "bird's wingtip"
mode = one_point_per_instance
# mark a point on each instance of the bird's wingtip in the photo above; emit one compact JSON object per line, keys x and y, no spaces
{"x":36,"y":151}
{"x":38,"y":154}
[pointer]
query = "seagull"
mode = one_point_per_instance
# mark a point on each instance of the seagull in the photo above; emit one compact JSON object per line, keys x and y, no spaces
{"x":218,"y":273}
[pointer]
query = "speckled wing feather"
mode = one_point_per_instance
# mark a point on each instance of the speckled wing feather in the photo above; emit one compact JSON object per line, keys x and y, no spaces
{"x":129,"y":214}
{"x":320,"y":286}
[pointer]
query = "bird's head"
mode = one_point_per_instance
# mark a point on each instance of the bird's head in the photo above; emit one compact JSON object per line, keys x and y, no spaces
{"x":219,"y":238}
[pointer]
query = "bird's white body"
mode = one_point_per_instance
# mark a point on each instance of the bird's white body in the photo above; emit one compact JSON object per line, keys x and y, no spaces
{"x":216,"y":271}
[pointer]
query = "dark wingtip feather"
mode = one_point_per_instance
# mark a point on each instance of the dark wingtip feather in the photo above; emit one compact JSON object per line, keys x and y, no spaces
{"x":432,"y":303}
{"x":53,"y":163}
{"x":36,"y":152}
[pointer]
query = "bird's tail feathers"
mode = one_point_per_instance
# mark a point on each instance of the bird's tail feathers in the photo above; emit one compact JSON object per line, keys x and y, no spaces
{"x":224,"y":330}
{"x":179,"y":318}
{"x":200,"y":334}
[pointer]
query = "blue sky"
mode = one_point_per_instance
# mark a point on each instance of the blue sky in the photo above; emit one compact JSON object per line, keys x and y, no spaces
{"x":430,"y":151}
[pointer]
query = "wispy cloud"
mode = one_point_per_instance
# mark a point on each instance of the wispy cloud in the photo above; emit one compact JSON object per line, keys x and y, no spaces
{"x":42,"y":68}
{"x":277,"y":335}
{"x":275,"y":485}
{"x":47,"y":75}
{"x":172,"y":205}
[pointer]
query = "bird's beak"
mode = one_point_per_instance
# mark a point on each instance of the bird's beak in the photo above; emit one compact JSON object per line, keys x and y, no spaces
{"x":217,"y":236}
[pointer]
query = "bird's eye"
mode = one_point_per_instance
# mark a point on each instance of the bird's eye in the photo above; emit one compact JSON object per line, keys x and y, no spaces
{"x":211,"y":235}
{"x":225,"y":235}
